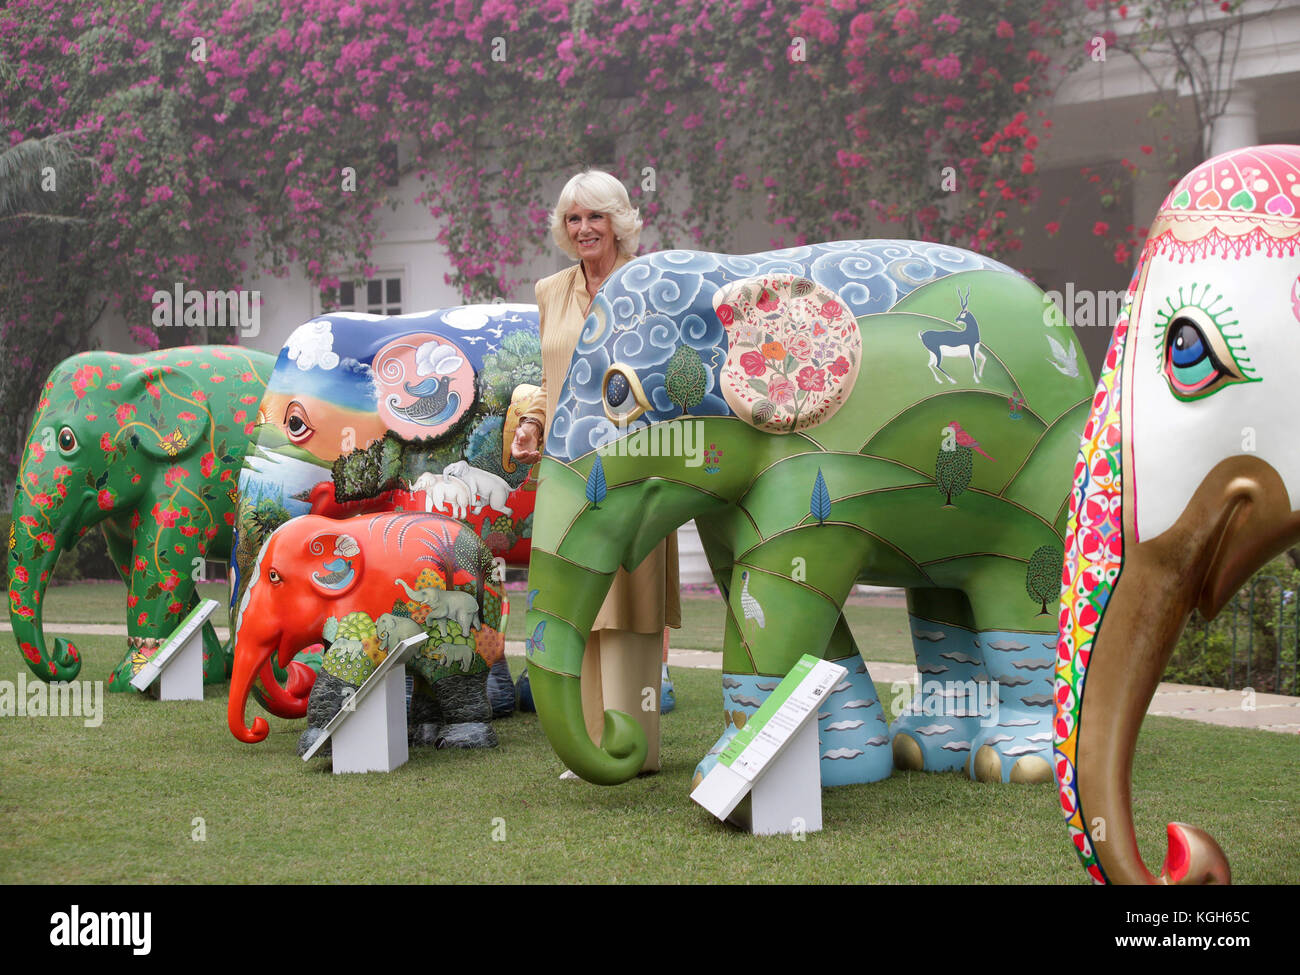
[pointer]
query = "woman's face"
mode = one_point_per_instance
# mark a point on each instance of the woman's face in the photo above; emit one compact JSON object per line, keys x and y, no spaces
{"x":591,"y":234}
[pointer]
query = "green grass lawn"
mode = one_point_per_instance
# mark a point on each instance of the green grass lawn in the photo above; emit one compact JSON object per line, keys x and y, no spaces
{"x":118,"y":803}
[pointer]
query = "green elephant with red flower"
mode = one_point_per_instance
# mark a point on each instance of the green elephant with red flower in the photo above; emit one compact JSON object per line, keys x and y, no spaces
{"x":149,"y":447}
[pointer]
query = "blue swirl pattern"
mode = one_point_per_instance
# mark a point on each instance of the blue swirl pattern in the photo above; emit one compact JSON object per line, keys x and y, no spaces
{"x":655,"y":303}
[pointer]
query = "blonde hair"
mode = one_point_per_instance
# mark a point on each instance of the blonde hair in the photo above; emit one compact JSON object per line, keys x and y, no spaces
{"x":597,"y":190}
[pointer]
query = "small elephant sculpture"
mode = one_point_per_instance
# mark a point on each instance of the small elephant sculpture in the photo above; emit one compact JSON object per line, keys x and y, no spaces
{"x":1186,"y":482}
{"x":319,"y":580}
{"x":443,"y":605}
{"x":489,"y":490}
{"x":787,"y":402}
{"x":149,"y":446}
{"x":364,"y":413}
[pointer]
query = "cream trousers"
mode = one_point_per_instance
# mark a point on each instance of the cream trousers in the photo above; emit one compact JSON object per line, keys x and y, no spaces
{"x":621,"y":671}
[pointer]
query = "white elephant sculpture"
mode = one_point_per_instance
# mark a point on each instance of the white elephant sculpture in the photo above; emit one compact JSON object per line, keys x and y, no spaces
{"x":489,"y":490}
{"x":1187,"y":481}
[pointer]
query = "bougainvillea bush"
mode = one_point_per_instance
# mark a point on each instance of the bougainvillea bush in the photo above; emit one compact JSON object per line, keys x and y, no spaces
{"x":198,"y":142}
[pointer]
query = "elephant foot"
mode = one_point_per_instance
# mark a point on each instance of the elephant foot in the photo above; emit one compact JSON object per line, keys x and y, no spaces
{"x":138,"y":653}
{"x":1017,"y":747}
{"x":524,"y":694}
{"x":500,"y":690}
{"x":468,"y":734}
{"x":667,"y":696}
{"x":425,"y":734}
{"x":930,"y":743}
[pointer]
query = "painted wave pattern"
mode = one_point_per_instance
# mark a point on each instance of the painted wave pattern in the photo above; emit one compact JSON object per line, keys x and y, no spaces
{"x":992,"y":689}
{"x":661,"y":301}
{"x":851,"y":724}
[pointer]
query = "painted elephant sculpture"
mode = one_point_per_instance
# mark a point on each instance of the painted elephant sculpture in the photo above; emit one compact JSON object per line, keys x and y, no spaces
{"x":364,"y":413}
{"x":362,"y":585}
{"x":1187,"y":481}
{"x":886,"y":411}
{"x":149,"y":446}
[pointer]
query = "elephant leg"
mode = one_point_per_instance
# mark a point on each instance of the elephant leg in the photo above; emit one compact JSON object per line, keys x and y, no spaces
{"x":161,"y":592}
{"x":761,"y":645}
{"x":1014,"y":742}
{"x":424,"y":717}
{"x":327,"y":697}
{"x":852,"y":726}
{"x":936,"y":725}
{"x":463,"y":700}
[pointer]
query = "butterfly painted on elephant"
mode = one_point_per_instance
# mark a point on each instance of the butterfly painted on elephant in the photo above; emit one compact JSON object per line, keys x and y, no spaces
{"x":534,"y":644}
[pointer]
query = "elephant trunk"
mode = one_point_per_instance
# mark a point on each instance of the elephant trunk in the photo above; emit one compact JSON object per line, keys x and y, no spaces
{"x":36,"y":541}
{"x":1238,"y":518}
{"x":568,"y":598}
{"x":254,"y":665}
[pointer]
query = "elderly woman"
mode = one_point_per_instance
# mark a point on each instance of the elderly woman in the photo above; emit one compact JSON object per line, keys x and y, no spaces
{"x":595,"y":223}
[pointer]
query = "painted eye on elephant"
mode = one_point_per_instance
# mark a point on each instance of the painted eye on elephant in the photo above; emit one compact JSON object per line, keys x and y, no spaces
{"x":1199,"y":355}
{"x":273,"y":576}
{"x":622,"y":394}
{"x":67,"y":442}
{"x":295,"y":423}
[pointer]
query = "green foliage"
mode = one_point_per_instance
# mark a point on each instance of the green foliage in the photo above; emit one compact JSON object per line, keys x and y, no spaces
{"x":370,"y":470}
{"x":952,"y":472}
{"x":518,"y":360}
{"x":1253,"y":642}
{"x":685,"y":378}
{"x":1043,"y":575}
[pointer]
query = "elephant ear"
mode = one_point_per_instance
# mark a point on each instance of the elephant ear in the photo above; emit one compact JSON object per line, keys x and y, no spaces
{"x":793,"y":353}
{"x":333,"y":562}
{"x":170,"y":415}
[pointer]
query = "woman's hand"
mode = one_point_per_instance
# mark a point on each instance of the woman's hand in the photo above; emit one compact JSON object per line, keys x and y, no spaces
{"x":525,"y":448}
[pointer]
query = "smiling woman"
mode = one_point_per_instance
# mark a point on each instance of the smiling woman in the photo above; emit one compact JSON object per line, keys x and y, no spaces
{"x":595,"y":223}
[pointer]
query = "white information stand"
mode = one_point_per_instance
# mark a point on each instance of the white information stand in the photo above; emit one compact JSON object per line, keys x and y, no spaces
{"x":179,"y":660}
{"x":774,"y":762}
{"x":369,"y":731}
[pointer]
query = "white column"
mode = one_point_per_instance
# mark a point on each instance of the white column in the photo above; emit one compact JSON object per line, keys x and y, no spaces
{"x":1238,"y":126}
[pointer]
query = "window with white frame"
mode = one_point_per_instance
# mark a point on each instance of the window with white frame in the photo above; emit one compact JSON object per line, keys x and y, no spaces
{"x":374,"y":296}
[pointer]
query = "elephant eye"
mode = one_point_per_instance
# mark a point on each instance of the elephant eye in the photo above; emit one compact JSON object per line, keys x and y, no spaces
{"x":273,"y":575}
{"x":295,"y":423}
{"x":623,"y":397}
{"x":67,"y":441}
{"x":1200,"y":352}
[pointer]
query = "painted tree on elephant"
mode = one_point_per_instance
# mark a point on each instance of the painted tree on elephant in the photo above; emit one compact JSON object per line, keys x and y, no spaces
{"x":834,"y":374}
{"x":367,"y":413}
{"x":149,"y":446}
